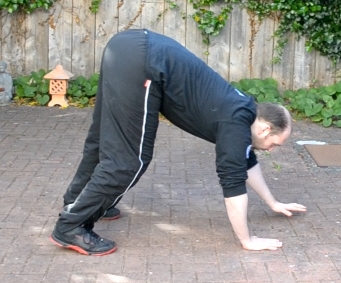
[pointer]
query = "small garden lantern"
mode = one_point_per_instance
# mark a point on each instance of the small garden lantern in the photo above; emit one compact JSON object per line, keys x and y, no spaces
{"x":58,"y":86}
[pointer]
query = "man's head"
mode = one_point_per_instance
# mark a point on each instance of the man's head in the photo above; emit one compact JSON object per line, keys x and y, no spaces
{"x":271,"y":127}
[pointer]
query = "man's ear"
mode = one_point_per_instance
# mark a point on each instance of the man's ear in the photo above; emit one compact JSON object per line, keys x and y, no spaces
{"x":264,"y":129}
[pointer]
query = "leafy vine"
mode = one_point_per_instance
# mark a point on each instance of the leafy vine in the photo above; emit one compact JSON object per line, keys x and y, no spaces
{"x":318,"y":20}
{"x":95,"y":5}
{"x":209,"y":22}
{"x":26,"y":6}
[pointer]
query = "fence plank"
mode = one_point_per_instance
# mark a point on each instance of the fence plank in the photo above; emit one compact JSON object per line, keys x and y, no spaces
{"x":13,"y":32}
{"x":83,"y":38}
{"x":106,"y":27}
{"x":36,"y":43}
{"x":219,"y":50}
{"x":325,"y":71}
{"x":262,"y":46}
{"x":130,"y":14}
{"x":151,"y":17}
{"x":304,"y":72}
{"x":175,"y":23}
{"x":337,"y":73}
{"x":194,"y":38}
{"x":240,"y":46}
{"x":60,"y":35}
{"x":283,"y":72}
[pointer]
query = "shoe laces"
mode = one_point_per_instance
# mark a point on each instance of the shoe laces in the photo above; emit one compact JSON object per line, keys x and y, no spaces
{"x":91,"y":237}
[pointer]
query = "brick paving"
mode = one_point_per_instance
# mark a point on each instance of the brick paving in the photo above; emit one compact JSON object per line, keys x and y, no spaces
{"x":174,"y":226}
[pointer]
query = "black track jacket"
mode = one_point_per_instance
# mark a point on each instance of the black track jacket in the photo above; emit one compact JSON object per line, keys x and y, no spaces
{"x":202,"y":103}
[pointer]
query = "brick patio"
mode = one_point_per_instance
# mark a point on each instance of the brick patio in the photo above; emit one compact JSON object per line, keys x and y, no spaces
{"x":174,"y":226}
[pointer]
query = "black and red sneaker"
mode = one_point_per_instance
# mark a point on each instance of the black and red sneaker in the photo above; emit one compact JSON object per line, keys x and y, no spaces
{"x":111,"y":214}
{"x":84,"y":241}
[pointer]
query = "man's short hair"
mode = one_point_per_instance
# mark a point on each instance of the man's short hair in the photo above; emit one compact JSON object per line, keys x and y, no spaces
{"x":277,"y":116}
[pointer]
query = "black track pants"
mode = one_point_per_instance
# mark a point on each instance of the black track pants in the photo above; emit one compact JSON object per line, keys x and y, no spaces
{"x":120,"y":142}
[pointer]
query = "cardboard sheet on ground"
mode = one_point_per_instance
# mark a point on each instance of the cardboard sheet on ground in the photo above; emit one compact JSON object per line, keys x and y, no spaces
{"x":326,"y":155}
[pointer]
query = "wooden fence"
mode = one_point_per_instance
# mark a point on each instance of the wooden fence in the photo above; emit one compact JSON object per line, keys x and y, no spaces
{"x":69,"y":34}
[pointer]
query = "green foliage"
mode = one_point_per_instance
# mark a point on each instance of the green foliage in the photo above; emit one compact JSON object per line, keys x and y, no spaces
{"x":172,"y":5}
{"x":262,"y":90}
{"x":262,"y":8}
{"x":95,"y":6}
{"x":34,"y":90}
{"x":276,"y":166}
{"x":320,"y":105}
{"x":27,"y":6}
{"x":81,"y":91}
{"x":318,"y":20}
{"x":209,"y":22}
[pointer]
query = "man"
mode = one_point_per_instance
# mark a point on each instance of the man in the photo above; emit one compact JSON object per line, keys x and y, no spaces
{"x":142,"y":74}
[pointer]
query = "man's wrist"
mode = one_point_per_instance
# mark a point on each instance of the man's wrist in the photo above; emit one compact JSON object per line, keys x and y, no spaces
{"x":245,"y":240}
{"x":245,"y":243}
{"x":273,"y":204}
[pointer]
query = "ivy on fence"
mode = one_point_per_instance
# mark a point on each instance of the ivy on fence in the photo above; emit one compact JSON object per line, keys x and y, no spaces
{"x":26,"y":6}
{"x":318,"y":20}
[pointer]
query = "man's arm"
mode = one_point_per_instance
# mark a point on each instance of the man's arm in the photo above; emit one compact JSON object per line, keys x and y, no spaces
{"x":237,"y":212}
{"x":257,"y":183}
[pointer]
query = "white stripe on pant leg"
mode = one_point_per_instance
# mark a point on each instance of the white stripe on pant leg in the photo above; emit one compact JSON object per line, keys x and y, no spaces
{"x":147,"y":85}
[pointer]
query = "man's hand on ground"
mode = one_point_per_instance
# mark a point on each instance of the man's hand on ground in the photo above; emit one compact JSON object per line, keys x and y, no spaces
{"x":286,"y":208}
{"x":257,"y":244}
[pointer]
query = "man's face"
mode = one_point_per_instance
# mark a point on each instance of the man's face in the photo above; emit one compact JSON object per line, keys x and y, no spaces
{"x":268,"y":141}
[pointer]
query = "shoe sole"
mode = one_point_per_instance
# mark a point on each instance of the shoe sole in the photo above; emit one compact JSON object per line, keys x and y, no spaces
{"x":62,"y":244}
{"x":110,"y":218}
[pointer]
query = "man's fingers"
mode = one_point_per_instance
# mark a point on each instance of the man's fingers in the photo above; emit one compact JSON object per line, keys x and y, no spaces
{"x":258,"y":244}
{"x":296,"y":207}
{"x":287,"y":212}
{"x":301,"y":207}
{"x":287,"y":208}
{"x":274,"y":243}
